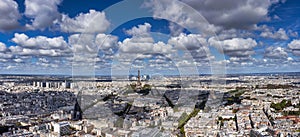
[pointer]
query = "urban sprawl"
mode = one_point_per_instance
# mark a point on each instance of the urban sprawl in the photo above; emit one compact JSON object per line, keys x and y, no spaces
{"x":144,"y":106}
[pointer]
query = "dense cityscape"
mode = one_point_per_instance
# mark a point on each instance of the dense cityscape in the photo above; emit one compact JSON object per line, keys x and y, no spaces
{"x":149,"y":68}
{"x":139,"y":106}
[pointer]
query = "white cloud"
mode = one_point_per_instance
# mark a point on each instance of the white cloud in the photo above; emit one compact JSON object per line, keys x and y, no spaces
{"x":193,"y":47}
{"x":106,"y":42}
{"x":235,"y":47}
{"x":189,"y":42}
{"x":237,"y":61}
{"x":20,"y":38}
{"x":9,"y":15}
{"x":17,"y":50}
{"x":142,"y":42}
{"x":146,"y":45}
{"x":290,"y":59}
{"x":92,"y":22}
{"x":2,"y":47}
{"x":133,"y":50}
{"x":43,"y":12}
{"x":280,"y":34}
{"x":40,"y":42}
{"x":92,"y":44}
{"x":40,"y":46}
{"x":82,"y":43}
{"x":181,"y":14}
{"x":275,"y":53}
{"x":18,"y":60}
{"x":3,"y":60}
{"x":44,"y":60}
{"x":294,"y":46}
{"x":232,"y":13}
{"x":10,"y":67}
{"x":234,"y":33}
{"x":92,"y":50}
{"x":140,"y":30}
{"x":239,"y":44}
{"x":5,"y":55}
{"x":220,"y":14}
{"x":51,"y":55}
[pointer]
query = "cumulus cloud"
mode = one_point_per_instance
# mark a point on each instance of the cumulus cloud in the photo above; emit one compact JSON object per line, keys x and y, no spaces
{"x":238,"y":61}
{"x":84,"y":43}
{"x":39,"y":46}
{"x":280,"y":34}
{"x":17,"y":50}
{"x":91,"y":44}
{"x":106,"y":43}
{"x":40,"y":42}
{"x":165,"y":56}
{"x":18,"y":60}
{"x":140,"y":30}
{"x":4,"y":53}
{"x":44,"y":60}
{"x":194,"y":47}
{"x":146,"y":45}
{"x":181,"y":14}
{"x":232,"y":14}
{"x":189,"y":42}
{"x":234,"y":33}
{"x":2,"y":47}
{"x":235,"y":47}
{"x":91,"y":22}
{"x":132,"y":51}
{"x":9,"y":15}
{"x":142,"y":42}
{"x":91,"y":51}
{"x":138,"y":43}
{"x":225,"y":14}
{"x":275,"y":53}
{"x":43,"y":13}
{"x":294,"y":46}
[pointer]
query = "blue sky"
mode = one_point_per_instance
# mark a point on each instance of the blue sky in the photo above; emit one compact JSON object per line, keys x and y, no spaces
{"x":159,"y":37}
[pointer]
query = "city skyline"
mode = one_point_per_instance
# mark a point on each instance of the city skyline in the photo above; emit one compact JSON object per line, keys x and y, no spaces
{"x":158,"y":37}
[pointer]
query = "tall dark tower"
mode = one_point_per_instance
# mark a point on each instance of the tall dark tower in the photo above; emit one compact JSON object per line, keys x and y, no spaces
{"x":139,"y":84}
{"x":139,"y":77}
